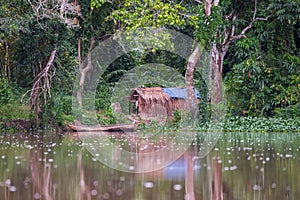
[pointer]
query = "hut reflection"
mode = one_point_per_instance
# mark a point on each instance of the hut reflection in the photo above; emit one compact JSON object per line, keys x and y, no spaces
{"x":178,"y":175}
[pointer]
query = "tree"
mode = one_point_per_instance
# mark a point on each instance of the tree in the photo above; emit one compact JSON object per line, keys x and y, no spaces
{"x":14,"y":17}
{"x":93,"y":27}
{"x":230,"y":22}
{"x":264,"y":72}
{"x":36,"y":38}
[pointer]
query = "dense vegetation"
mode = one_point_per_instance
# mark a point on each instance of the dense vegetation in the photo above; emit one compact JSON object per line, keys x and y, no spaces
{"x":42,"y":51}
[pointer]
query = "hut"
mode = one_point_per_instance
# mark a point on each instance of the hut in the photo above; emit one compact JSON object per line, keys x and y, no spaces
{"x":157,"y":102}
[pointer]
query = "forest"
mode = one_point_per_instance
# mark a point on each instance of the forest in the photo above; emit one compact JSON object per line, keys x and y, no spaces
{"x":254,"y":49}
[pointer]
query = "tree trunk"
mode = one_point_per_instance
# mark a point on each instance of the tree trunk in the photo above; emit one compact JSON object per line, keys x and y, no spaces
{"x":217,"y":58}
{"x":189,"y":80}
{"x":85,"y":70}
{"x":7,"y":68}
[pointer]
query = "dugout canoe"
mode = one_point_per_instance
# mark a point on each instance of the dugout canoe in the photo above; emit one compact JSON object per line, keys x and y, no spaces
{"x":114,"y":127}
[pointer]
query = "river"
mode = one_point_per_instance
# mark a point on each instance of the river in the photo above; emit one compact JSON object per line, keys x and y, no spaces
{"x":246,"y":166}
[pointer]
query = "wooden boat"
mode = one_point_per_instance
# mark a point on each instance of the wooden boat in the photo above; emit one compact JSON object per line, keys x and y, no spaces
{"x":114,"y":127}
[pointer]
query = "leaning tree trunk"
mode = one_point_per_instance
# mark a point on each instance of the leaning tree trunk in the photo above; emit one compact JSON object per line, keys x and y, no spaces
{"x":42,"y":86}
{"x":84,"y":70}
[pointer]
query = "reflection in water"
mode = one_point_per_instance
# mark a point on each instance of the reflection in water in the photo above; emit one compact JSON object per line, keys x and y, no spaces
{"x":241,"y":166}
{"x":40,"y":176}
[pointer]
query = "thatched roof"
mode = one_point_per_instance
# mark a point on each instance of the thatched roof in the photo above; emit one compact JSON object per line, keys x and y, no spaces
{"x":161,"y":94}
{"x":157,"y":101}
{"x":154,"y":94}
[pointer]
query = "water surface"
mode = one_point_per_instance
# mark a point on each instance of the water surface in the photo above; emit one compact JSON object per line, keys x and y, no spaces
{"x":254,"y":166}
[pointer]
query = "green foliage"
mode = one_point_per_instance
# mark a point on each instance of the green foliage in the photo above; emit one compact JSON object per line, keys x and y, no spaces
{"x":261,"y":124}
{"x":136,"y":14}
{"x":264,"y":72}
{"x":61,"y":108}
{"x":286,"y":11}
{"x":257,"y":87}
{"x":291,"y":111}
{"x":106,"y":117}
{"x":6,"y":93}
{"x":205,"y":26}
{"x":96,"y":3}
{"x":103,"y":96}
{"x":255,"y":124}
{"x":177,"y":117}
{"x":14,"y":110}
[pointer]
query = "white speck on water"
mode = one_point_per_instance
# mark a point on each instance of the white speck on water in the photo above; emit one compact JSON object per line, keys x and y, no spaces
{"x":122,"y":178}
{"x":229,"y":161}
{"x":94,"y":192}
{"x":148,"y":185}
{"x":273,"y":186}
{"x":1,"y":184}
{"x":12,"y":188}
{"x":105,"y":195}
{"x":256,"y":187}
{"x":96,"y":183}
{"x":234,"y":167}
{"x":131,"y":168}
{"x":177,"y":187}
{"x":7,"y":182}
{"x":226,"y":168}
{"x":37,"y":196}
{"x":50,"y":160}
{"x":18,"y":162}
{"x":119,"y":192}
{"x":267,"y":158}
{"x":2,"y":157}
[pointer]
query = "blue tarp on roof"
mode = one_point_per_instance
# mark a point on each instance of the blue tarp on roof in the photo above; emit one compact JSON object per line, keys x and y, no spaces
{"x":179,"y":93}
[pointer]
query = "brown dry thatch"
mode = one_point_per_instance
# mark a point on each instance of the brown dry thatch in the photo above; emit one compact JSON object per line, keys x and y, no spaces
{"x":155,"y":103}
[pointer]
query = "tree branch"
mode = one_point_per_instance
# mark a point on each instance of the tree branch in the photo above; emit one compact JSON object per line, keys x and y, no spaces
{"x":61,"y":9}
{"x":42,"y":81}
{"x":250,"y":25}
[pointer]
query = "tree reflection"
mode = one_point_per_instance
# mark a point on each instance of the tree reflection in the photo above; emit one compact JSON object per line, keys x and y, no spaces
{"x":41,"y":176}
